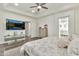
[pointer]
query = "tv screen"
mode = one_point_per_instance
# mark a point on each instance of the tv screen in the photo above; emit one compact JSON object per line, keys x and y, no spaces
{"x":12,"y":24}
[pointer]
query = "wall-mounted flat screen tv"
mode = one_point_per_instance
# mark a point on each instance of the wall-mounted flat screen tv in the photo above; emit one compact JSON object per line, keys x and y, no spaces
{"x":12,"y":24}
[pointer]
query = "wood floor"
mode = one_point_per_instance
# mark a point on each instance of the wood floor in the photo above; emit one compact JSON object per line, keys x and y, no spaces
{"x":17,"y":44}
{"x":14,"y":45}
{"x":13,"y":52}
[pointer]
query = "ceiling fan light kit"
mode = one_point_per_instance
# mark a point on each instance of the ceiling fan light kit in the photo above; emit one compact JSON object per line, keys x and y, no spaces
{"x":39,"y":6}
{"x":16,"y":4}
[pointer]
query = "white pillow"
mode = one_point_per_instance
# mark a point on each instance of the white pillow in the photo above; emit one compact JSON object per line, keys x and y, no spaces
{"x":63,"y":42}
{"x":73,"y":48}
{"x":73,"y":36}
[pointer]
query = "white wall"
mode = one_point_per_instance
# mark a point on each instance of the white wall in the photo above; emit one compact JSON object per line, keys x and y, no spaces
{"x":33,"y":27}
{"x":52,"y":21}
{"x":70,"y":14}
{"x":6,"y":14}
{"x":1,"y":29}
{"x":49,"y":20}
{"x":77,"y":20}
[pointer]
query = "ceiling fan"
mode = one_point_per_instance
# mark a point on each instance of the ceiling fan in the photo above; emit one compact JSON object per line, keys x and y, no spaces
{"x":39,"y":6}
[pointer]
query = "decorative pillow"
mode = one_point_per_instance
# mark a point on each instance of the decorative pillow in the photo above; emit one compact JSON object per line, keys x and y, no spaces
{"x":63,"y":42}
{"x":73,"y":48}
{"x":73,"y":36}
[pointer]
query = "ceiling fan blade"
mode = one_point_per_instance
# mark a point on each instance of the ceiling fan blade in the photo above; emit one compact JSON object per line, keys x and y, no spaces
{"x":37,"y":4}
{"x":33,"y":6}
{"x":44,"y":7}
{"x":42,"y":4}
{"x":38,"y":9}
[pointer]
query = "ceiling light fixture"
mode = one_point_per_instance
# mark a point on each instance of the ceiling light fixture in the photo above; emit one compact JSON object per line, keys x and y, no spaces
{"x":39,"y":7}
{"x":33,"y":11}
{"x":16,"y":4}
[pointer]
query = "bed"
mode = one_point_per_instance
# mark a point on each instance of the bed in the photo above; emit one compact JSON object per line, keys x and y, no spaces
{"x":46,"y":47}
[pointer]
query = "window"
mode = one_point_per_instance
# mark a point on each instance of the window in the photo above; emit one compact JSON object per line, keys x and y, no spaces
{"x":63,"y":26}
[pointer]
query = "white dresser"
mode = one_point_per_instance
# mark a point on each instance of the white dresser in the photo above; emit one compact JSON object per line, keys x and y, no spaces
{"x":2,"y":48}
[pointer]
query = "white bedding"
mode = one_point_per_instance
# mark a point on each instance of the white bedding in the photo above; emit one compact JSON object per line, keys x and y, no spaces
{"x":73,"y":49}
{"x":43,"y":47}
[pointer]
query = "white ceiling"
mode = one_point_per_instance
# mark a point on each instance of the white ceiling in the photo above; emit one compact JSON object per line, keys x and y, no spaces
{"x":23,"y":8}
